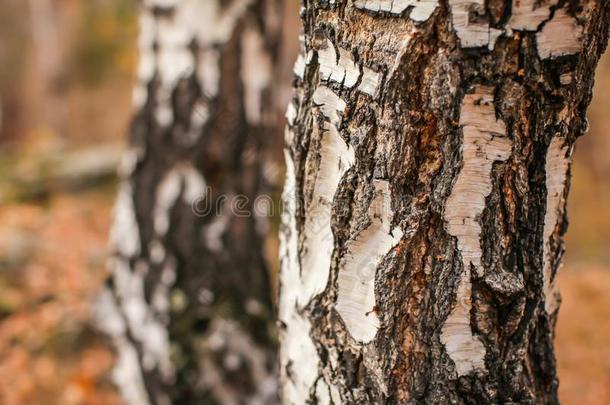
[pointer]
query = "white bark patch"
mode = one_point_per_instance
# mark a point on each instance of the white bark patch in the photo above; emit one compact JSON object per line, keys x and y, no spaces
{"x":170,"y":188}
{"x":157,"y":251}
{"x":211,"y":24}
{"x":126,"y":374}
{"x":125,"y":235}
{"x":299,"y":360}
{"x":214,"y":20}
{"x":289,"y":251}
{"x":106,"y":314}
{"x":421,"y":10}
{"x":174,"y":58}
{"x":527,"y":15}
{"x":466,"y":351}
{"x":214,"y":232}
{"x":472,"y":34}
{"x":329,"y":103}
{"x":291,"y":113}
{"x":299,"y":67}
{"x":174,"y":61}
{"x":560,"y":36}
{"x":298,"y":355}
{"x":168,"y":192}
{"x":347,"y":72}
{"x":128,"y":163}
{"x":337,"y":68}
{"x":341,"y":68}
{"x":336,"y":157}
{"x":194,"y":184}
{"x":208,"y":71}
{"x":484,"y":143}
{"x":557,"y":165}
{"x":255,"y":73}
{"x":370,"y":82}
{"x":357,"y":270}
{"x":327,"y":393}
{"x":144,"y":325}
{"x":322,"y":392}
{"x":301,"y":63}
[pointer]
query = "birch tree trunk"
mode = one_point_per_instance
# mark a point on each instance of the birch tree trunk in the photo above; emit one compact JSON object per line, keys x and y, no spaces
{"x":428,"y":157}
{"x":188,"y":304}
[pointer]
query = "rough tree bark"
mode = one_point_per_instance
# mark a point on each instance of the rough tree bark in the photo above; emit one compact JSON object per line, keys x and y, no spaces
{"x":189,"y":304}
{"x":428,"y":158}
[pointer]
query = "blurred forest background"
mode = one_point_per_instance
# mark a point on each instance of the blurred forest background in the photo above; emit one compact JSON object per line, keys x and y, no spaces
{"x":66,"y":73}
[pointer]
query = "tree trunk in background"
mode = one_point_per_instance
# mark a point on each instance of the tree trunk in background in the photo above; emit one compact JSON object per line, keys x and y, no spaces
{"x":44,"y":24}
{"x":189,"y":302}
{"x":428,"y":159}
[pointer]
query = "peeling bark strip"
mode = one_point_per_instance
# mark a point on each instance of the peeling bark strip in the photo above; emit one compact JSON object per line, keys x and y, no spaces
{"x":188,"y":302}
{"x":471,"y":24}
{"x":484,"y":143}
{"x":297,"y":349}
{"x":356,"y":282}
{"x":560,"y":36}
{"x":529,"y":14}
{"x":556,"y":170}
{"x":335,"y":159}
{"x":427,"y":154}
{"x":420,"y":9}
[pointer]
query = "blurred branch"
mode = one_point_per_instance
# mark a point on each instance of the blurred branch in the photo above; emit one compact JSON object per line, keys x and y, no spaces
{"x":37,"y":176}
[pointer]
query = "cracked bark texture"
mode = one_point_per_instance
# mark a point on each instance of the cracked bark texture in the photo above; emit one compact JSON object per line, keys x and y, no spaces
{"x":188,"y":304}
{"x":428,"y":156}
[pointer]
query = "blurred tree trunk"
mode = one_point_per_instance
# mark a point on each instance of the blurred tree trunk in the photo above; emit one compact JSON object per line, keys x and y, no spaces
{"x":428,"y":159}
{"x":189,"y":301}
{"x":44,"y":24}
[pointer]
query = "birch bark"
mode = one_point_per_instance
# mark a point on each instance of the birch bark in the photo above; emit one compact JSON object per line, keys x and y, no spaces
{"x":428,"y":157}
{"x":188,"y":303}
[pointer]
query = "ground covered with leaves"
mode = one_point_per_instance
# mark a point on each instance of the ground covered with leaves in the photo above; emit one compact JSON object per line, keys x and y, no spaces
{"x":52,"y":263}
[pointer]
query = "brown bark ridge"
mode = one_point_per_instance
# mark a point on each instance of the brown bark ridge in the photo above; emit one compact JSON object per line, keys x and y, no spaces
{"x":188,"y":304}
{"x":428,"y":156}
